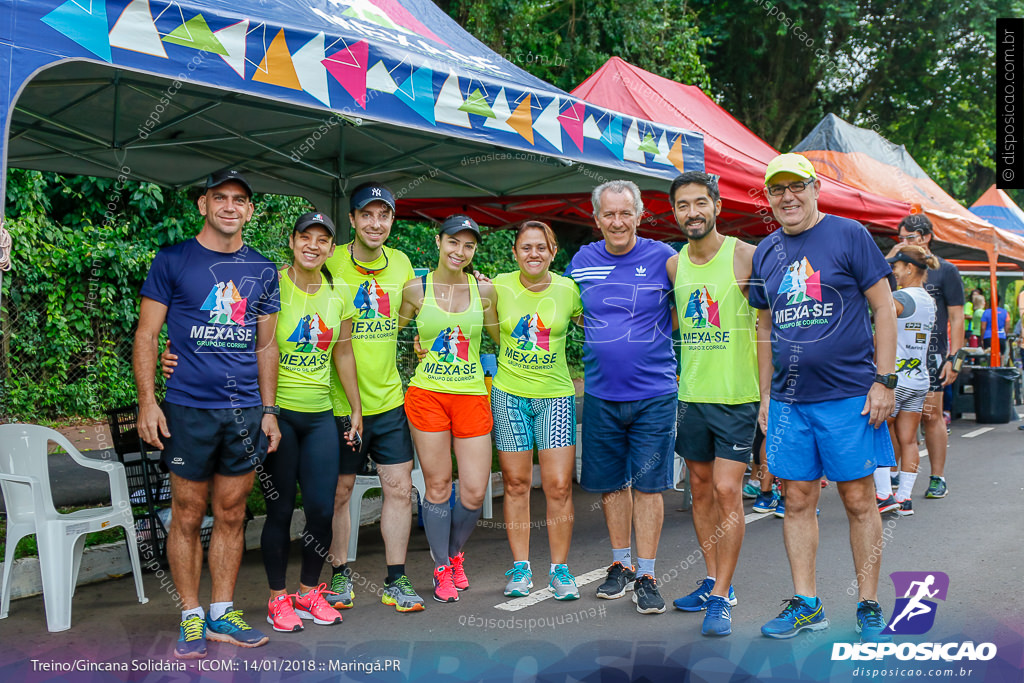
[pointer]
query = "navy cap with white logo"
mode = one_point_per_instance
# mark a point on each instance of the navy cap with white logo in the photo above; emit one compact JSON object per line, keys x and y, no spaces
{"x":371,"y":193}
{"x":458,"y":223}
{"x":308,"y":220}
{"x":218,"y":178}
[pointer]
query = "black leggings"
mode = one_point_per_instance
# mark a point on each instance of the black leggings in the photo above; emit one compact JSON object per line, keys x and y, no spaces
{"x":308,"y":455}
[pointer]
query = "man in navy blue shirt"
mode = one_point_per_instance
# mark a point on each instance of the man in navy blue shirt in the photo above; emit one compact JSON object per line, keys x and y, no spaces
{"x":629,"y":409}
{"x":220,"y":300}
{"x":816,"y":283}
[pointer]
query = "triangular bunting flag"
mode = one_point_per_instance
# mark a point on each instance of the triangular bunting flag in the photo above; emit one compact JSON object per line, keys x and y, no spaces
{"x":521,"y":121}
{"x":308,"y":62}
{"x":675,"y":155}
{"x":476,"y":103}
{"x":417,"y":92}
{"x":572,"y":122}
{"x":196,"y":33}
{"x":233,"y":39}
{"x":379,"y":78}
{"x":631,"y":145}
{"x":648,"y":145}
{"x":85,"y":26}
{"x":501,"y":114}
{"x":448,"y":108}
{"x":547,"y":125}
{"x":661,"y":156}
{"x":591,"y":129}
{"x":348,"y":66}
{"x":612,"y":137}
{"x":135,"y":31}
{"x":276,"y":67}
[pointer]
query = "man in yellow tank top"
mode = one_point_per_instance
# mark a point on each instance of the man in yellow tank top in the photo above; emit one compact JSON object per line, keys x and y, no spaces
{"x":719,"y":394}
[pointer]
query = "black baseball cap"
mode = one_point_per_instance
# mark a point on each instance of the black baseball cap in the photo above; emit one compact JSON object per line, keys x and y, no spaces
{"x":218,"y":178}
{"x":458,"y":223}
{"x":308,"y":220}
{"x":371,"y":192}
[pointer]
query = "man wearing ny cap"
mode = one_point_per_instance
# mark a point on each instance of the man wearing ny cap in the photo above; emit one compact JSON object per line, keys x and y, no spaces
{"x":816,"y":282}
{"x":371,"y":276}
{"x":220,"y":300}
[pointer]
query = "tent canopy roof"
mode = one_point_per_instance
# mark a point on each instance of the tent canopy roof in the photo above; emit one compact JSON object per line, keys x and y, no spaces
{"x":308,"y":97}
{"x":996,"y":207}
{"x":864,"y":159}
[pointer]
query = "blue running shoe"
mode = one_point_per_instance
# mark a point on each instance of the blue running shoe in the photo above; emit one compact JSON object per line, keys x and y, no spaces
{"x":717,"y":618}
{"x":936,"y":488}
{"x":780,"y":509}
{"x":563,"y":583}
{"x":894,"y":479}
{"x":697,"y":600}
{"x":871,"y":622}
{"x":192,"y":641}
{"x":751,"y":491}
{"x":796,"y":617}
{"x":766,"y":502}
{"x":231,"y":628}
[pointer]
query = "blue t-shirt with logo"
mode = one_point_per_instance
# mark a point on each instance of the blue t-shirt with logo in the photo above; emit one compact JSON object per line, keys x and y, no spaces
{"x":814,"y":284}
{"x":627,"y":301}
{"x":213,"y":300}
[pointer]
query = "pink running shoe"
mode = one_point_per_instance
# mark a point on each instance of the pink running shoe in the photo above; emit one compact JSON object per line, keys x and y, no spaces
{"x":281,"y":615}
{"x":313,"y":606}
{"x":459,"y":577}
{"x":444,"y":588}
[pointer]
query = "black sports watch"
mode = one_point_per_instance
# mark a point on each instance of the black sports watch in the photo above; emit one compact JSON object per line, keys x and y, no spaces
{"x":888,"y":381}
{"x":271,"y":410}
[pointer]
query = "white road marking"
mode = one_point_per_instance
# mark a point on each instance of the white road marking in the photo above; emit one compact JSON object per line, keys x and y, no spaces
{"x":754,"y":516}
{"x":516,"y":604}
{"x":977,"y":432}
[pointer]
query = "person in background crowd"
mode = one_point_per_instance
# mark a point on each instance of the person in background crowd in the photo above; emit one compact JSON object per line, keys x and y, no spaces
{"x":947,"y":339}
{"x":915,"y":316}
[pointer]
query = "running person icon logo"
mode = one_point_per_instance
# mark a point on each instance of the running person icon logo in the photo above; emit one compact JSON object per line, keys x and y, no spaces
{"x":451,"y":344}
{"x":225,"y":304}
{"x":914,"y":613}
{"x":372,"y":301}
{"x":531,"y":335}
{"x":801,"y":282}
{"x":701,"y":309}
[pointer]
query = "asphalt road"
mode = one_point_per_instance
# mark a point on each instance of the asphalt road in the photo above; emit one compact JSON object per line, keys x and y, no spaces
{"x":975,"y":536}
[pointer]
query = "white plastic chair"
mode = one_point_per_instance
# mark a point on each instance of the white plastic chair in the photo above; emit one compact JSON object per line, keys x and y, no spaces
{"x":366,"y":482}
{"x":25,"y":481}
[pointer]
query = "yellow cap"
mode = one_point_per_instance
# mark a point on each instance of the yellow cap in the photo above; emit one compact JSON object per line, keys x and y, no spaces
{"x":797,"y":164}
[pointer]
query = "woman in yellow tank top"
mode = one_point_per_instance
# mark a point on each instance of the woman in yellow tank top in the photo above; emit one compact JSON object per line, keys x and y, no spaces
{"x":446,"y":402}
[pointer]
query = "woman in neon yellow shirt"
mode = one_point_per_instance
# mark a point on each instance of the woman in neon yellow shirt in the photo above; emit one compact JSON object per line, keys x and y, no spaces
{"x":534,"y":403}
{"x":446,"y":402}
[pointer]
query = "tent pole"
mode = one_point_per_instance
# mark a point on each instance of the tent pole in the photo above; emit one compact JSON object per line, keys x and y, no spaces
{"x":994,"y":359}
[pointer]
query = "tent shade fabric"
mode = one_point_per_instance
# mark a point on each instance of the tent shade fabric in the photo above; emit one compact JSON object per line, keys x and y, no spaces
{"x":308,"y":97}
{"x":864,"y":159}
{"x":996,"y":207}
{"x":731,"y":151}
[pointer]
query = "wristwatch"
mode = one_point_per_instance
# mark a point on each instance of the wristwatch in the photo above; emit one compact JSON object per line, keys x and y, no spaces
{"x":888,"y":381}
{"x":271,"y":410}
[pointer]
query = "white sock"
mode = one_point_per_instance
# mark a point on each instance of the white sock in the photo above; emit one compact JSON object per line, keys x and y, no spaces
{"x":883,"y":485}
{"x":219,"y":609}
{"x":907,"y":480}
{"x":195,"y":612}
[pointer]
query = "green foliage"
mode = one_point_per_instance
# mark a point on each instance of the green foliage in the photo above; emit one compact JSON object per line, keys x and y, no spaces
{"x":564,"y":42}
{"x":82,"y":249}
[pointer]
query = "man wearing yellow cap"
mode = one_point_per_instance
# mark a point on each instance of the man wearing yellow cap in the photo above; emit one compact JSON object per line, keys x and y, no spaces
{"x":816,"y":281}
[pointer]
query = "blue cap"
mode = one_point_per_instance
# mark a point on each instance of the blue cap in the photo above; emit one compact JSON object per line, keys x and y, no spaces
{"x":371,"y":193}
